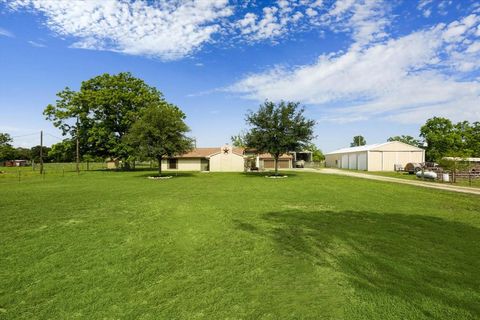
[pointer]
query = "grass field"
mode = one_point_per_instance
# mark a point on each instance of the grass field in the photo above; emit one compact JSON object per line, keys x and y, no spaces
{"x":114,"y":245}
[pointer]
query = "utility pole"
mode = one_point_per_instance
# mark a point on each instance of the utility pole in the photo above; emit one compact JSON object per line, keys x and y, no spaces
{"x":78,"y":150}
{"x":41,"y":151}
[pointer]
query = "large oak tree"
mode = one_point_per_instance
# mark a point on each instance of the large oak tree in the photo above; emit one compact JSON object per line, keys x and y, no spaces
{"x":102,"y":112}
{"x":278,"y":129}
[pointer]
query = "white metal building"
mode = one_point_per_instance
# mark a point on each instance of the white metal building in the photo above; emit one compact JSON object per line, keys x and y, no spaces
{"x":375,"y":157}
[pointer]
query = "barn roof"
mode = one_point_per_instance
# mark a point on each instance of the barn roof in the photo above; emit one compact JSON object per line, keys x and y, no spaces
{"x":376,"y":146}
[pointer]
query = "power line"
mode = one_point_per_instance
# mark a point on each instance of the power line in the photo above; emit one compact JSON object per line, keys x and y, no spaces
{"x":51,"y":135}
{"x":25,"y":135}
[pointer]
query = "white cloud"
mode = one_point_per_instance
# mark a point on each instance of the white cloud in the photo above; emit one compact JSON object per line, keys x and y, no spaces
{"x":36,"y":44}
{"x":405,"y":79}
{"x":365,"y":19}
{"x":311,"y":13}
{"x":427,"y":13}
{"x":177,"y":28}
{"x":6,"y":33}
{"x":267,"y":27}
{"x":427,"y":7}
{"x":167,"y":29}
{"x":274,"y":21}
{"x":423,"y":3}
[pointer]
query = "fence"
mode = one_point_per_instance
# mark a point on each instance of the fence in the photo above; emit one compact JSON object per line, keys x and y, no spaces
{"x":54,"y":170}
{"x":472,"y":178}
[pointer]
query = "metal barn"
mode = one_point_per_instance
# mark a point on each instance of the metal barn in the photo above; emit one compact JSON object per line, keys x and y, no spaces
{"x":375,"y":157}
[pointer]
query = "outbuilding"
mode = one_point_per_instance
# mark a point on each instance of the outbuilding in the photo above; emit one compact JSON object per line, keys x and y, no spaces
{"x":222,"y":159}
{"x":267,"y":161}
{"x":15,"y":163}
{"x":375,"y":157}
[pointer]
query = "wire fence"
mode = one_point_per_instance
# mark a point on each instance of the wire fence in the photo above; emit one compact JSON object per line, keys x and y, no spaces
{"x":57,"y":170}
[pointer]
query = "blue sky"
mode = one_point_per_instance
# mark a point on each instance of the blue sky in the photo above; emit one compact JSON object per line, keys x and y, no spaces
{"x":370,"y":67}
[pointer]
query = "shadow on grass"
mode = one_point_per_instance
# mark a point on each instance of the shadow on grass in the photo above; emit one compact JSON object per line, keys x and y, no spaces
{"x":429,"y":264}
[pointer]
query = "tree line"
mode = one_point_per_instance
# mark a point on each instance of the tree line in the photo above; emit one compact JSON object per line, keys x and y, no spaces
{"x":8,"y":152}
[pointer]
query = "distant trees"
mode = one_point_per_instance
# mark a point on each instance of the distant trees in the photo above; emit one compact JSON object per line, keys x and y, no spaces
{"x":159,"y":132}
{"x":23,"y":153}
{"x":406,"y":139}
{"x":317,"y":154}
{"x":63,"y":151}
{"x":445,"y":138}
{"x":102,"y":112}
{"x":8,"y":152}
{"x":35,"y":153}
{"x":358,"y":141}
{"x":278,"y":129}
{"x":6,"y":149}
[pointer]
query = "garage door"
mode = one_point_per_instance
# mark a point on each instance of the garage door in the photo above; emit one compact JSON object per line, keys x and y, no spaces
{"x":362,"y":161}
{"x":270,"y":164}
{"x":352,"y":161}
{"x":344,"y":161}
{"x":389,"y":160}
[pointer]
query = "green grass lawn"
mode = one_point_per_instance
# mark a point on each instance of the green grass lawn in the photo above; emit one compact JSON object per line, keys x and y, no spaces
{"x":114,"y":245}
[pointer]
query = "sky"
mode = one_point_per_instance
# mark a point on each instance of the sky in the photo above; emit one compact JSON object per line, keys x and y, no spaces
{"x":359,"y":67}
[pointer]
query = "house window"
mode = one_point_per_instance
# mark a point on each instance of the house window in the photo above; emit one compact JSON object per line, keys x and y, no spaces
{"x":172,"y":163}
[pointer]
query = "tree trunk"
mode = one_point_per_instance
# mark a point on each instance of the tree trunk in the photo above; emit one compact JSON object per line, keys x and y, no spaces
{"x":276,"y":164}
{"x":159,"y":166}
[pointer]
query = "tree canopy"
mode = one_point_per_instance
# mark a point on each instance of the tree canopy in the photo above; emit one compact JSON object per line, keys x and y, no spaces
{"x":102,"y":112}
{"x":445,"y":138}
{"x":317,"y":154}
{"x":239,"y":140}
{"x":6,"y":149}
{"x":5,"y":139}
{"x":63,"y":151}
{"x":358,"y":141}
{"x":159,"y":132}
{"x":278,"y":129}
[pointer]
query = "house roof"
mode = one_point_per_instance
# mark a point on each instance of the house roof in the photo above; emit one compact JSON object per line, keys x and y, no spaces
{"x":371,"y":147}
{"x":269,"y":156}
{"x":199,"y":153}
{"x":208,"y":152}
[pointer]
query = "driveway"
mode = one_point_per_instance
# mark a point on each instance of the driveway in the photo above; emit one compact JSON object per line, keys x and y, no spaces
{"x":430,"y":185}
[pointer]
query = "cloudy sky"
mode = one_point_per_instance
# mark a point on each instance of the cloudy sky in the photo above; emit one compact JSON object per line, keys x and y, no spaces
{"x":370,"y":67}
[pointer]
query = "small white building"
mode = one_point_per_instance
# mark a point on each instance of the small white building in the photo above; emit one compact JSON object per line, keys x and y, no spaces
{"x":222,"y":159}
{"x":375,"y":157}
